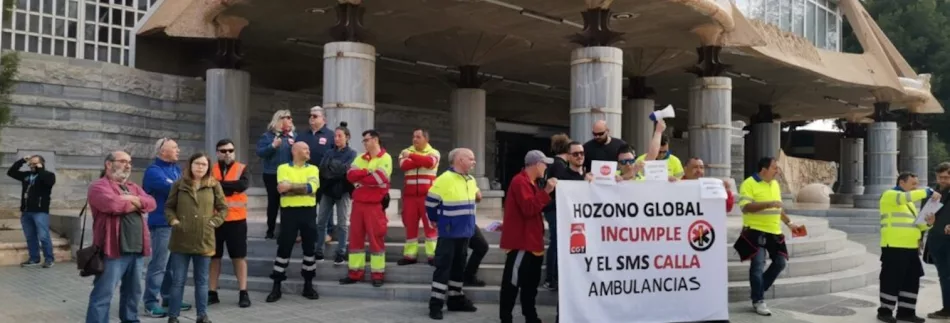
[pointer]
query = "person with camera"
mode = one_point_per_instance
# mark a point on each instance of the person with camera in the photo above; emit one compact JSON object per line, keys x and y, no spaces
{"x":37,"y":184}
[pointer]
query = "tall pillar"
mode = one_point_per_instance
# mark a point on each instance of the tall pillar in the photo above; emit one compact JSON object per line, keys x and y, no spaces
{"x":467,"y":111}
{"x":738,"y":151}
{"x":882,"y":157}
{"x":710,"y":109}
{"x":913,"y":149}
{"x":228,"y":93}
{"x":766,"y":134}
{"x":637,"y":127}
{"x":349,"y":73}
{"x":596,"y":77}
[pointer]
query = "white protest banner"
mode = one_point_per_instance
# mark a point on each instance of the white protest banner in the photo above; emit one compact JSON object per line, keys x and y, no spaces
{"x":641,"y":252}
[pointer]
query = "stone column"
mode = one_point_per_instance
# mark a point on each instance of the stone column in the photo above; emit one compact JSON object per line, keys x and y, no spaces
{"x":468,"y":125}
{"x":349,"y":73}
{"x":710,"y":124}
{"x":913,"y":149}
{"x":738,"y":151}
{"x":227,"y":106}
{"x":349,"y":85}
{"x":882,"y":157}
{"x":596,"y":91}
{"x":851,"y":171}
{"x":637,"y":126}
{"x":766,"y":134}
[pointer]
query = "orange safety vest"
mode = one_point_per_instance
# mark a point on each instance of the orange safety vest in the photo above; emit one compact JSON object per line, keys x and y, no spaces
{"x":237,"y":202}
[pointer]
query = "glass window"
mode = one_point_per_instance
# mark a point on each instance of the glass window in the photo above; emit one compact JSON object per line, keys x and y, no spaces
{"x":832,"y":38}
{"x":33,"y":21}
{"x":48,"y":6}
{"x":46,"y":45}
{"x":822,"y":28}
{"x":5,"y":40}
{"x":773,"y":11}
{"x":798,"y":17}
{"x":785,"y":21}
{"x":58,"y":47}
{"x":19,"y":42}
{"x":757,"y":9}
{"x":810,"y":21}
{"x":743,"y":6}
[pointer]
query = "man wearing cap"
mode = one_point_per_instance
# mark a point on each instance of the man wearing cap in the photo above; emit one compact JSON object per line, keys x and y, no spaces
{"x":523,"y":237}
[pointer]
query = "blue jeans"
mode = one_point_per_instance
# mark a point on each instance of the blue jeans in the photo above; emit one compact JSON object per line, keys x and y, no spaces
{"x":551,"y":217}
{"x":325,"y":214}
{"x":760,"y":281}
{"x":158,"y":278}
{"x":940,"y":253}
{"x":126,"y":269}
{"x":36,"y":230}
{"x":178,"y":263}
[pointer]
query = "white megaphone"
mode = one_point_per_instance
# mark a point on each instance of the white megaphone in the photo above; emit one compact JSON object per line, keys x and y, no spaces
{"x":666,"y":113}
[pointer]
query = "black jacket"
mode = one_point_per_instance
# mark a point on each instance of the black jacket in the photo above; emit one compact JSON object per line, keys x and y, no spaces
{"x":561,"y":170}
{"x":37,"y":187}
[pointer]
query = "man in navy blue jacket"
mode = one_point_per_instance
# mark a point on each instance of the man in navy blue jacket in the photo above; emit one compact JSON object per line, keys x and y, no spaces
{"x":320,"y":139}
{"x":157,"y":181}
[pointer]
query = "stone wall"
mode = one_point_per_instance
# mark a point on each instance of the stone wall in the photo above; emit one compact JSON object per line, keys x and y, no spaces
{"x":75,"y":111}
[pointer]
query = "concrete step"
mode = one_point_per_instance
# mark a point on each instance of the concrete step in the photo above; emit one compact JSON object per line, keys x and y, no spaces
{"x":851,"y":256}
{"x":859,"y":228}
{"x":491,"y":269}
{"x":830,"y":242}
{"x":257,"y":228}
{"x":738,"y":291}
{"x":862,"y":220}
{"x":14,"y":251}
{"x":836,"y":212}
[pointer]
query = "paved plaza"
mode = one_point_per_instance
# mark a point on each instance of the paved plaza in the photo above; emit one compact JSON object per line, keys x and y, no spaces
{"x":59,"y":295}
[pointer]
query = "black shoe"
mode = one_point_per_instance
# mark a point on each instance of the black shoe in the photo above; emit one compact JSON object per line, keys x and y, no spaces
{"x":886,"y":318}
{"x":269,"y":236}
{"x":243,"y":300}
{"x":319,"y":258}
{"x":213,"y":297}
{"x":275,"y":293}
{"x":474,"y":282}
{"x":431,"y":262}
{"x":462,"y":304}
{"x":942,"y":314}
{"x":347,"y":281}
{"x":203,"y":319}
{"x":377,"y":283}
{"x":172,"y":320}
{"x":339,"y":260}
{"x":308,"y":291}
{"x":406,"y":261}
{"x":435,"y":314}
{"x":910,"y":319}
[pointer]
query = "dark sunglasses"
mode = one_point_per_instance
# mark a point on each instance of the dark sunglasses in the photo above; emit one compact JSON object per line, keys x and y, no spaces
{"x":598,"y":134}
{"x":225,"y":151}
{"x":577,"y":154}
{"x":628,"y":161}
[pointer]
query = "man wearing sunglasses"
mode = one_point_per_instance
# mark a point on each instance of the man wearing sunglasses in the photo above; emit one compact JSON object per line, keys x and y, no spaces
{"x":673,"y":163}
{"x":603,"y":146}
{"x":568,"y":166}
{"x":233,"y":233}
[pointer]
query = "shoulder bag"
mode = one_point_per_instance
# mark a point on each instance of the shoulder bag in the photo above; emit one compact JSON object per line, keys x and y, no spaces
{"x":89,"y":259}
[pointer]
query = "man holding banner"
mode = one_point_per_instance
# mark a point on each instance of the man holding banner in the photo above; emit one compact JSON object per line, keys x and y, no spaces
{"x":523,"y":237}
{"x":760,"y":198}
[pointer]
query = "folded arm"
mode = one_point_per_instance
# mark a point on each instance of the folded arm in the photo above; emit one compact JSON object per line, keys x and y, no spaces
{"x":239,"y":186}
{"x":425,"y":161}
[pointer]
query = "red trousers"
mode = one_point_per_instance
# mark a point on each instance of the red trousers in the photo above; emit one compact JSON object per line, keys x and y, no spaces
{"x":367,"y":222}
{"x":414,"y":209}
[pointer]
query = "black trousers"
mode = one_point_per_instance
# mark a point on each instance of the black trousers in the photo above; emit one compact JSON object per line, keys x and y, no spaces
{"x":273,"y":201}
{"x":292,"y":221}
{"x":900,"y":280}
{"x":522,"y":274}
{"x":479,"y":247}
{"x":450,"y":256}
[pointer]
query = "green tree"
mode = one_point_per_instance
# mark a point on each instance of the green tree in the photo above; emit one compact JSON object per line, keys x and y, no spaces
{"x":9,"y":62}
{"x":936,"y":153}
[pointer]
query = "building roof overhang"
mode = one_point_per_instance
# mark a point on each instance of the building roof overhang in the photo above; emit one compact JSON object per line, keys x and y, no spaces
{"x":526,"y":40}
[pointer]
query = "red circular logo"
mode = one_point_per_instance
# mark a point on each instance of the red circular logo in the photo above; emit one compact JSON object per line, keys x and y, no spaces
{"x":701,"y":235}
{"x":605,"y":170}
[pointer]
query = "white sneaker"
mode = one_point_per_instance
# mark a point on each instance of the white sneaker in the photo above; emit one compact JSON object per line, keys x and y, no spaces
{"x":762,"y":309}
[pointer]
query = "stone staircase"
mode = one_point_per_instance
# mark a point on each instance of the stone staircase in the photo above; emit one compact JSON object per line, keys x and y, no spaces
{"x":824,"y":262}
{"x":850,"y":220}
{"x":13,"y":249}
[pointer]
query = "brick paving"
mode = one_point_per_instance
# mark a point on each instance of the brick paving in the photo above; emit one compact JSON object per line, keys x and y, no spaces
{"x":59,"y":295}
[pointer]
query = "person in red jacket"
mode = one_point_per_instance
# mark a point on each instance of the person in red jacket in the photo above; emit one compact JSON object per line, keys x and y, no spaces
{"x":523,"y":237}
{"x":695,"y":169}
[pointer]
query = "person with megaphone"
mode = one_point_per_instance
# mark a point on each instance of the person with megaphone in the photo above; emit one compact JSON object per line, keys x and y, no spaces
{"x":674,"y":165}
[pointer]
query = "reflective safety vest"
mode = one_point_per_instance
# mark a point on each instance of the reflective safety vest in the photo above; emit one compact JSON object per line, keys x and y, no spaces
{"x":673,"y":164}
{"x":237,"y":202}
{"x":754,"y":189}
{"x":898,"y":214}
{"x":450,"y":203}
{"x":306,"y":174}
{"x":421,"y":167}
{"x":637,"y":177}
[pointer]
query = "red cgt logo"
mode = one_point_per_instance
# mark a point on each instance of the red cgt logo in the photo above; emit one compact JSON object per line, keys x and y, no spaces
{"x":578,"y":239}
